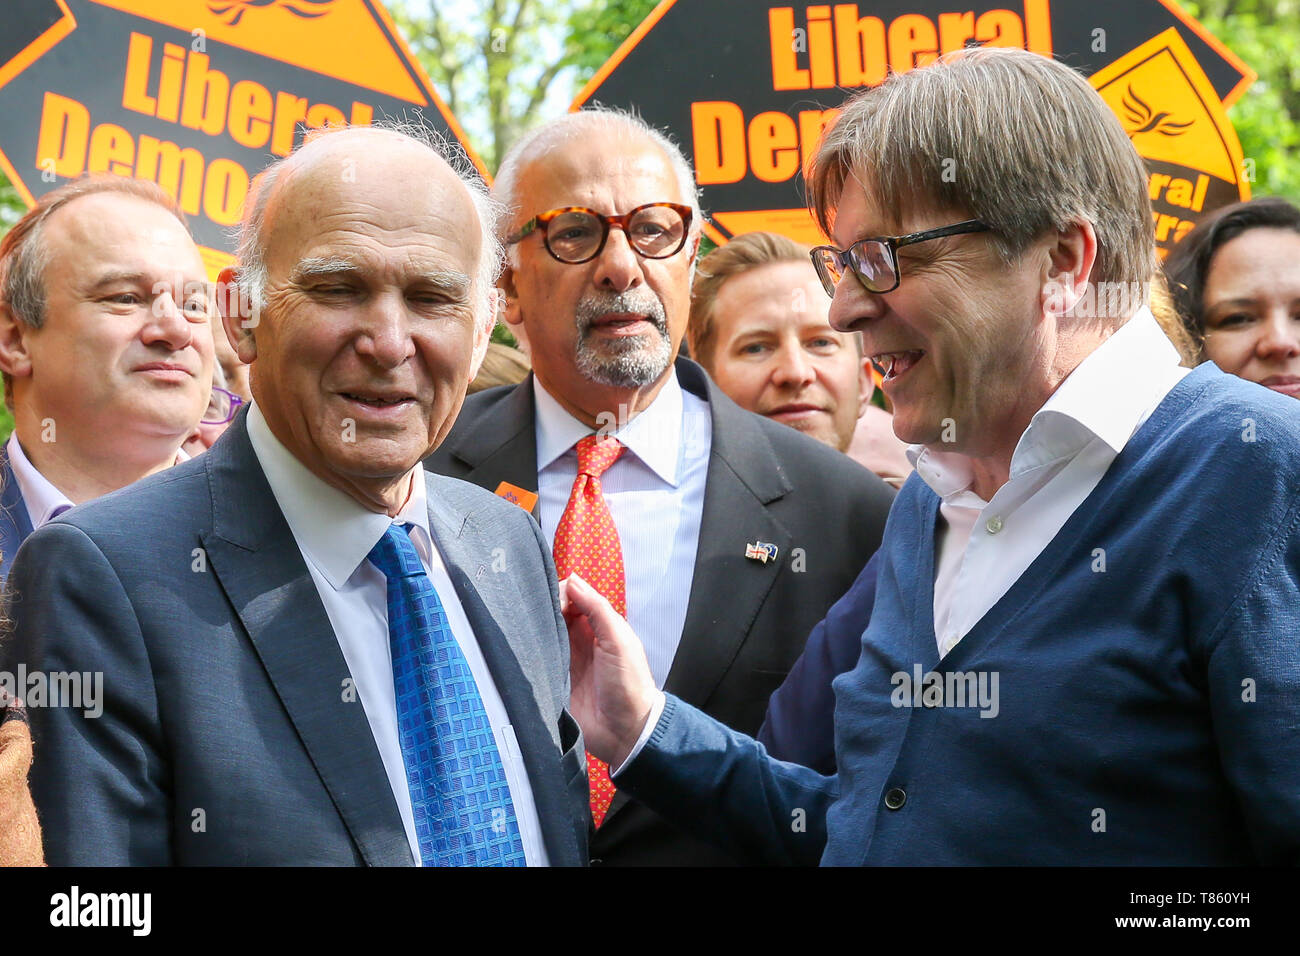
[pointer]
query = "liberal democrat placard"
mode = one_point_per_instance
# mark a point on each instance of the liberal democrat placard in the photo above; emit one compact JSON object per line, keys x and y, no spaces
{"x":748,"y":86}
{"x":195,"y":95}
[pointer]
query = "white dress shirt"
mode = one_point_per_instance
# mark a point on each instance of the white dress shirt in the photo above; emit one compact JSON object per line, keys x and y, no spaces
{"x":44,"y":502}
{"x":984,"y":547}
{"x":655,"y":492}
{"x":335,"y":534}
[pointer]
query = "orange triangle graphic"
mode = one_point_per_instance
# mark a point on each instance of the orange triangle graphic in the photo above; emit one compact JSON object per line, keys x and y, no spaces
{"x":344,"y":39}
{"x":1170,"y":110}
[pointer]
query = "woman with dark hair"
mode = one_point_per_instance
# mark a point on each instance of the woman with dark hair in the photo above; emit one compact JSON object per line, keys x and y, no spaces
{"x":1235,"y":281}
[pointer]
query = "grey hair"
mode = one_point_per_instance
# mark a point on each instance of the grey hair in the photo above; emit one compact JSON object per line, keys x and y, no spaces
{"x":250,"y":238}
{"x":1015,"y":139}
{"x":585,"y":123}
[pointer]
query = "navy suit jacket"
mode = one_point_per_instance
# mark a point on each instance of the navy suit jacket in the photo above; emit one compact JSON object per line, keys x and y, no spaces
{"x":228,"y":735}
{"x":800,"y":722}
{"x":15,"y":522}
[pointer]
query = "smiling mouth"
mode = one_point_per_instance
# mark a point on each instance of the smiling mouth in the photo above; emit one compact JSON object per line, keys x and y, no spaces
{"x":894,"y":364}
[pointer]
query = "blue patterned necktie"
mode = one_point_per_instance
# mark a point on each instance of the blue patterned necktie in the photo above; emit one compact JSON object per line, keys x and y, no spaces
{"x":463,"y":812}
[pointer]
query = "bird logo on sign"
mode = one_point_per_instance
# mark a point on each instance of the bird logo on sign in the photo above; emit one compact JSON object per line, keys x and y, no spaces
{"x":1145,"y":120}
{"x":761,"y":551}
{"x":232,"y":11}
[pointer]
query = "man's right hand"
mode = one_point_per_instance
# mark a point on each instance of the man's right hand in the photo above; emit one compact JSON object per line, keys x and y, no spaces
{"x":612,"y":690}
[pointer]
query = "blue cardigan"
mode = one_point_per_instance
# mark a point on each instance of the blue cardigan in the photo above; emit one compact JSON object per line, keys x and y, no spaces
{"x":1147,"y":666}
{"x":799,"y":725}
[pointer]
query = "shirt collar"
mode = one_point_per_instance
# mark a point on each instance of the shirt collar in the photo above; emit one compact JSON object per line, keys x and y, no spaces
{"x":654,"y":436}
{"x":44,"y":502}
{"x":334,"y":532}
{"x":1107,"y":396}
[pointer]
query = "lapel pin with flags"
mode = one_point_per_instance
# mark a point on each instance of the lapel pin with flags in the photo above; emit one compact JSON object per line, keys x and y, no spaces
{"x":761,"y":551}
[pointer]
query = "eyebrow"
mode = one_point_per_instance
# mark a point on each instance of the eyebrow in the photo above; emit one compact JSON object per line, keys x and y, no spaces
{"x":115,"y":276}
{"x":1233,"y":303}
{"x":317,"y":266}
{"x":448,"y":281}
{"x":135,"y":277}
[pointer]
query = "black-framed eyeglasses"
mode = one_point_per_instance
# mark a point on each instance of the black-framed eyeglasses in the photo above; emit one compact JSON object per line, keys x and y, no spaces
{"x":875,"y":260}
{"x":575,"y":234}
{"x":222,"y":406}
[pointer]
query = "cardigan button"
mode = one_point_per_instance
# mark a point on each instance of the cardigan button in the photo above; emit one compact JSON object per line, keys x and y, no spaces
{"x":895,"y":798}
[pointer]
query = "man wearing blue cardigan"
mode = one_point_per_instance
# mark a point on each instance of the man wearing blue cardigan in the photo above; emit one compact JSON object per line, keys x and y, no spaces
{"x":1085,"y":643}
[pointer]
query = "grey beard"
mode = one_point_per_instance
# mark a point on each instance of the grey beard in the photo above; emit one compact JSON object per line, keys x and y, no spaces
{"x":623,"y":363}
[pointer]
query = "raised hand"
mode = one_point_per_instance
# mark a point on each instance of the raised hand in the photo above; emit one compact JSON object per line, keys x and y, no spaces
{"x":612,"y":690}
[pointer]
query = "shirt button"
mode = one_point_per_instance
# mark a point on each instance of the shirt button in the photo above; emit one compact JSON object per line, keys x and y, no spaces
{"x":895,"y":798}
{"x":993,"y":525}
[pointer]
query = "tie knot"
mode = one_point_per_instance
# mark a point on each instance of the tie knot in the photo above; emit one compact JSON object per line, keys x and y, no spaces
{"x":596,"y":453}
{"x":395,"y":554}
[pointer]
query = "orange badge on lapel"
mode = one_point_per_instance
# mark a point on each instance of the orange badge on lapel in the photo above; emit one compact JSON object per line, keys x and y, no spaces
{"x":517,"y":495}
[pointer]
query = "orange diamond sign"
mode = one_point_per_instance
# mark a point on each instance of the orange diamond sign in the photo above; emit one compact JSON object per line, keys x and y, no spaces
{"x":196,"y":95}
{"x":1179,"y":126}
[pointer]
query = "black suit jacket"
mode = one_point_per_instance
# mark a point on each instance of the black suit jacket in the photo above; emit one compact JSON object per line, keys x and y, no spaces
{"x":228,"y":735}
{"x":746,"y":621}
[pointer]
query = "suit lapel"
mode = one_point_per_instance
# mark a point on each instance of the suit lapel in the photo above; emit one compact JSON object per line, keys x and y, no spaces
{"x":487,"y":597}
{"x":15,"y":523}
{"x":257,"y":562}
{"x":501,"y":444}
{"x":727,"y":588}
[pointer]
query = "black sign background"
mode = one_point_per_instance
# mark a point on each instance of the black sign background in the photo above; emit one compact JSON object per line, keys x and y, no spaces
{"x":703,"y":50}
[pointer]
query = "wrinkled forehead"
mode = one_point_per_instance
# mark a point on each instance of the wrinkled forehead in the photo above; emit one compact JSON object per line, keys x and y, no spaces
{"x":862,"y":211}
{"x":611,"y":177}
{"x":402,"y":206}
{"x":118,"y":232}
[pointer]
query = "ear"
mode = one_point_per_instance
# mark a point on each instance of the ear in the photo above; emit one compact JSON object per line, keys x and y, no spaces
{"x":509,"y":298}
{"x":1071,"y":255}
{"x":866,"y":386}
{"x":483,"y":333}
{"x":237,"y":315}
{"x":14,"y":357}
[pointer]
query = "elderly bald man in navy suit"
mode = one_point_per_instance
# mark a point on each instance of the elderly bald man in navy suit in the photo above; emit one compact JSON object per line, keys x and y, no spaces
{"x":313,"y":652}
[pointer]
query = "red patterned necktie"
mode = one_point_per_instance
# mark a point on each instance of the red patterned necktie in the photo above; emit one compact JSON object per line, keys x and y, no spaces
{"x":586,"y":541}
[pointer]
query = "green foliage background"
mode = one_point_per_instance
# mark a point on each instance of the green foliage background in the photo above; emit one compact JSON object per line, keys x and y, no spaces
{"x":1266,"y":35}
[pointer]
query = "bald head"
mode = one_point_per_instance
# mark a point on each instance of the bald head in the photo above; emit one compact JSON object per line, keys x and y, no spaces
{"x":383,"y":165}
{"x":593,"y":125}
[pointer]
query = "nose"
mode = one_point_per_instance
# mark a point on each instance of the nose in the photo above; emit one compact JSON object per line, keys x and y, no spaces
{"x":1281,"y":338}
{"x":852,"y":306}
{"x":792,"y":368}
{"x":168,"y":325}
{"x":618,"y":267}
{"x":385,"y":333}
